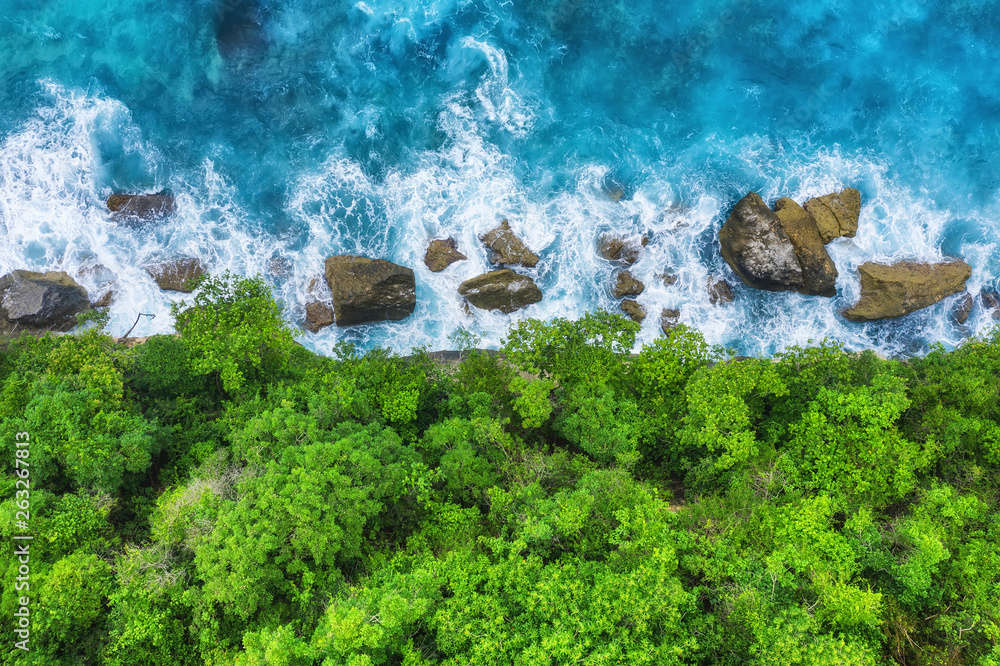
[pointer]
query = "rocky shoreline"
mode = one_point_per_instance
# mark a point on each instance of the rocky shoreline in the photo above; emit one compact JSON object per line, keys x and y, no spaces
{"x":779,"y":249}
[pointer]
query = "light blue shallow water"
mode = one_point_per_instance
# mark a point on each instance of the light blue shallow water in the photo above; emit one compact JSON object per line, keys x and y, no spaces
{"x":301,"y":129}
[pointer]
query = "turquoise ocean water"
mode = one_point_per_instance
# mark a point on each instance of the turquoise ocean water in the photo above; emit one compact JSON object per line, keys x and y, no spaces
{"x":301,"y":129}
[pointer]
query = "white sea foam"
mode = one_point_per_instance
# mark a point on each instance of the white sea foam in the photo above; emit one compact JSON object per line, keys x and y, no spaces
{"x":53,"y":215}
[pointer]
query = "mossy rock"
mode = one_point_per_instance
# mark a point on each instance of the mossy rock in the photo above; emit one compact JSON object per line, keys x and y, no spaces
{"x":836,"y":214}
{"x":506,"y":248}
{"x":635,"y":311}
{"x":442,"y":253}
{"x":894,"y":290}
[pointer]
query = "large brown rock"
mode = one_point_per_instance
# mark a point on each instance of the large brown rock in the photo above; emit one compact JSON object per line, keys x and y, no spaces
{"x":623,"y":249}
{"x":836,"y":214}
{"x":506,"y":248}
{"x":765,"y":255}
{"x":502,"y":290}
{"x":140,"y":206}
{"x":819,"y":274}
{"x":176,"y":274}
{"x":895,"y":290}
{"x":441,"y":254}
{"x":366,"y":290}
{"x":36,"y":302}
{"x":627,"y":285}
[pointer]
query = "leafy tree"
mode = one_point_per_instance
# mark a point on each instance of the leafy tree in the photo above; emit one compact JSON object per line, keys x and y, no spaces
{"x":234,"y":328}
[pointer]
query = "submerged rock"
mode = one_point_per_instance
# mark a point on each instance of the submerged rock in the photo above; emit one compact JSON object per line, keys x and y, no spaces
{"x":140,"y":207}
{"x":37,"y":302}
{"x":240,"y":27}
{"x":366,"y":290}
{"x":991,"y":301}
{"x":279,"y":266}
{"x":441,"y":254}
{"x":623,"y":249}
{"x":719,"y":291}
{"x":176,"y":274}
{"x":961,"y":310}
{"x":506,"y":248}
{"x":836,"y":214}
{"x":894,"y":290}
{"x":502,"y":290}
{"x":669,"y":319}
{"x":634,"y":310}
{"x":612,"y":188}
{"x":627,"y":285}
{"x":765,"y":255}
{"x":104,"y":300}
{"x":669,"y":279}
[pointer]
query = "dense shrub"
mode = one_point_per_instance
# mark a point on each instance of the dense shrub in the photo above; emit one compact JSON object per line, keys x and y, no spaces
{"x":224,"y":497}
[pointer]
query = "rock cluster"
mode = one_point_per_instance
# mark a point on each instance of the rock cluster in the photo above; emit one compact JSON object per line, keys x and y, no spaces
{"x":622,"y":249}
{"x":777,"y":250}
{"x":836,"y":214}
{"x":784,"y":250}
{"x":319,"y":306}
{"x":627,"y":285}
{"x":503,"y":290}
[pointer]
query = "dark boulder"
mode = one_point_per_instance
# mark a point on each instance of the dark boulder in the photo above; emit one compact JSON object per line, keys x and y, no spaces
{"x":319,"y":315}
{"x":366,"y":290}
{"x":506,"y":248}
{"x":991,"y":302}
{"x":104,"y":300}
{"x":176,"y":274}
{"x":441,"y":254}
{"x":894,"y":290}
{"x":502,"y":290}
{"x":37,"y":302}
{"x":836,"y":214}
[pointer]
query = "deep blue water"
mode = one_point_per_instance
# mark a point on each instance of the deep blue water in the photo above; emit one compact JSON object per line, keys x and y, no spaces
{"x":301,"y":129}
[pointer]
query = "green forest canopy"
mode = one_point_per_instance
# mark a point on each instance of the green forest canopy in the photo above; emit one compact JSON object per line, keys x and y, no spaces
{"x":224,"y":496}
